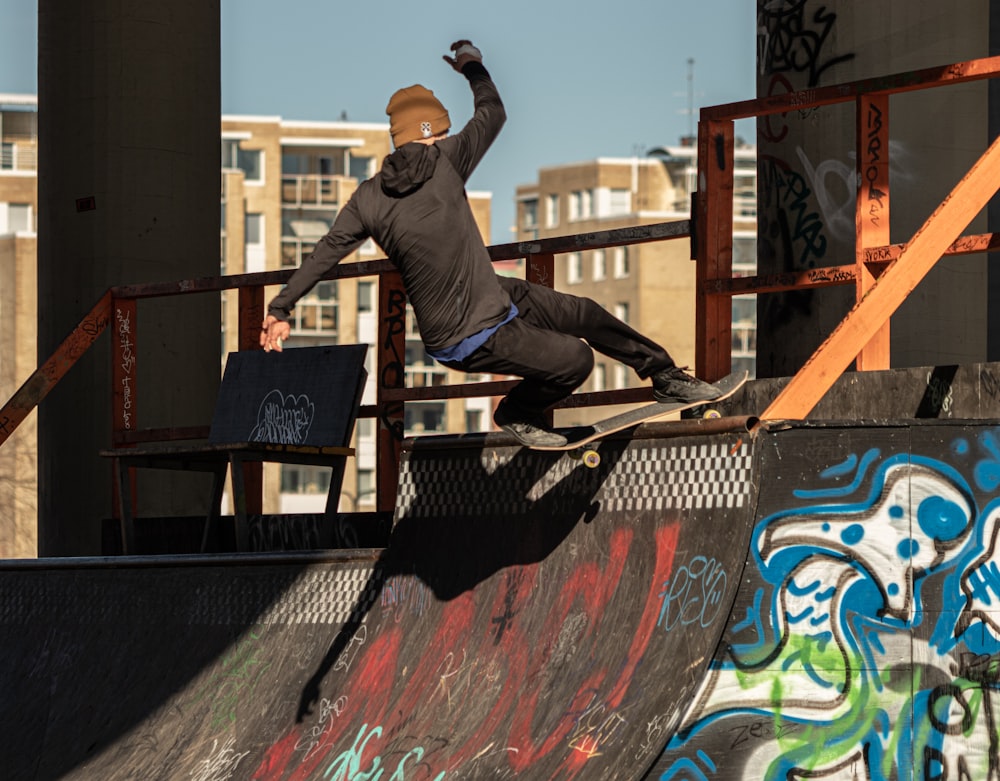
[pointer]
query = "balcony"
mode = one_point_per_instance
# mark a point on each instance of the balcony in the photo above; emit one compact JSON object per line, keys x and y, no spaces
{"x":305,"y":190}
{"x":18,"y":157}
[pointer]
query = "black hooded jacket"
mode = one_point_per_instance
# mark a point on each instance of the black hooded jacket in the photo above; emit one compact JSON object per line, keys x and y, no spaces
{"x":416,"y":209}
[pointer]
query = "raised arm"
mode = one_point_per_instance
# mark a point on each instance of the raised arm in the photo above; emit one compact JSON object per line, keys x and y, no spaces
{"x":466,"y":148}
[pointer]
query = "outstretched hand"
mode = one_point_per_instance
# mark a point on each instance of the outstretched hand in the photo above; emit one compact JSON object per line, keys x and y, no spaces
{"x":465,"y":53}
{"x":272,"y":332}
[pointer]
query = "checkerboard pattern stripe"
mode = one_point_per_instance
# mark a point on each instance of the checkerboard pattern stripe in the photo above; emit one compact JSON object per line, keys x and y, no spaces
{"x":331,"y":596}
{"x":648,"y":475}
{"x":682,"y":477}
{"x":326,"y":595}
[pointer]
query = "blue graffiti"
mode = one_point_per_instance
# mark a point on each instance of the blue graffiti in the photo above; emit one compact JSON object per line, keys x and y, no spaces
{"x":685,"y":765}
{"x":693,"y":594}
{"x":857,"y":671}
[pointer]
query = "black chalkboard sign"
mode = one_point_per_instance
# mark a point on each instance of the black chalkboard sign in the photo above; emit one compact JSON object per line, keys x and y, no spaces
{"x":301,"y":396}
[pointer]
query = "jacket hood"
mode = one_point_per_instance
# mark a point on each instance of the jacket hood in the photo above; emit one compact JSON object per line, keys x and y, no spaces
{"x":406,"y":169}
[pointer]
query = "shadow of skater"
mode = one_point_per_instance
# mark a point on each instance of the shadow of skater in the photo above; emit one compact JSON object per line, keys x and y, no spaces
{"x":464,"y":515}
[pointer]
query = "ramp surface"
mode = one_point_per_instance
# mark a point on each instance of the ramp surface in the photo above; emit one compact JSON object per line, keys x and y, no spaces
{"x":865,"y":639}
{"x":531,"y":618}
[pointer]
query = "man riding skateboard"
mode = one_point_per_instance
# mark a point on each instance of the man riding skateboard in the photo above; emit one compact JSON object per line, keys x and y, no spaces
{"x":469,"y":318}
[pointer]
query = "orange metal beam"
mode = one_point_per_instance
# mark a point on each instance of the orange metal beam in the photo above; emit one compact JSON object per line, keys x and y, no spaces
{"x":45,"y":377}
{"x":872,"y":212}
{"x":955,"y":73}
{"x":824,"y":276}
{"x":713,"y":247}
{"x":919,"y":255}
{"x":964,"y":245}
{"x":876,"y":260}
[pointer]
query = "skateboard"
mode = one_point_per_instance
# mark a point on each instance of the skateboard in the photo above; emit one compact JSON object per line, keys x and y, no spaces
{"x":579,"y":438}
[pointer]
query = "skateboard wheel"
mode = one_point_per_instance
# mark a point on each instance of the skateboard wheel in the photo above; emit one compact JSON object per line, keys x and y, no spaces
{"x":591,"y":458}
{"x":711,"y":414}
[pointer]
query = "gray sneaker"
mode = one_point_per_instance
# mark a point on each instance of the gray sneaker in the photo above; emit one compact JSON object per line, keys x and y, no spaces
{"x":676,"y":386}
{"x":529,"y":430}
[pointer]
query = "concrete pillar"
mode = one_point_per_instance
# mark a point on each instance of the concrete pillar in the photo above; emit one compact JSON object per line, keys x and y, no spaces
{"x":807,"y":180}
{"x":128,"y":187}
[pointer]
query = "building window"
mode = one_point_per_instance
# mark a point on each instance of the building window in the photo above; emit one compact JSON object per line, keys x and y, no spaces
{"x":366,"y":486}
{"x":424,"y":417}
{"x":361,"y":168}
{"x":302,"y":479}
{"x":620,"y":202}
{"x":621,"y":376}
{"x":551,"y":211}
{"x":744,"y":256}
{"x":254,"y":227}
{"x":600,"y":265}
{"x":254,"y":253}
{"x":366,"y":297}
{"x":574,"y":268}
{"x":621,"y":311}
{"x":473,"y":420}
{"x":6,"y":156}
{"x":744,"y":334}
{"x":529,"y":214}
{"x":574,"y":205}
{"x":599,"y":377}
{"x":19,"y":218}
{"x":621,"y":262}
{"x":249,"y":161}
{"x":316,"y":313}
{"x":581,"y":204}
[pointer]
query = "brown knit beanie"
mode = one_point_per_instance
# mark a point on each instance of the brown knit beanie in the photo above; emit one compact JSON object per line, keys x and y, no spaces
{"x":415,"y":113}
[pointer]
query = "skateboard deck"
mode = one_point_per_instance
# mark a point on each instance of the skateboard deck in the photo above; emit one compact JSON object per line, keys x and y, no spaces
{"x":579,"y":438}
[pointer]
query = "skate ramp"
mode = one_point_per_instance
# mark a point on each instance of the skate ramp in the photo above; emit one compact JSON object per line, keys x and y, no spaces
{"x":864,"y":642}
{"x":530,"y":618}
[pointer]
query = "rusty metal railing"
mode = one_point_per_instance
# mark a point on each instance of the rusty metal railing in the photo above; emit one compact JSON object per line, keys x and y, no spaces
{"x":118,"y":309}
{"x":883,"y":274}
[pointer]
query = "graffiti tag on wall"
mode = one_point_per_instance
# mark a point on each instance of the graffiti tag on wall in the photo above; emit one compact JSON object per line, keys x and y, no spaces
{"x":867,"y":644}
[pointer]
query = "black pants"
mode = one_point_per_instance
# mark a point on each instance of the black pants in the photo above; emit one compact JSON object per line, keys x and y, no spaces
{"x":543,"y":346}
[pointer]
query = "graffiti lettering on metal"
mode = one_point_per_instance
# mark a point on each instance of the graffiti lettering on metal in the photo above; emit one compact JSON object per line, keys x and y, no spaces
{"x":866,"y":640}
{"x":392,"y":374}
{"x":222,"y":764}
{"x":405,"y":595}
{"x":283,"y":419}
{"x":234,"y":679}
{"x":353,"y":764}
{"x":346,"y":659}
{"x":793,"y":38}
{"x":785,"y":191}
{"x":127,"y":359}
{"x":315,"y":737}
{"x":693,"y":595}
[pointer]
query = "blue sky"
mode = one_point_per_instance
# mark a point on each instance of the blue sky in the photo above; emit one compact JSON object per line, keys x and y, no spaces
{"x":580,"y":78}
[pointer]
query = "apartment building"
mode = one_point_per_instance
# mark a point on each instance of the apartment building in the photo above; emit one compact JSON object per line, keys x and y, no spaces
{"x":18,"y":297}
{"x":650,"y":286}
